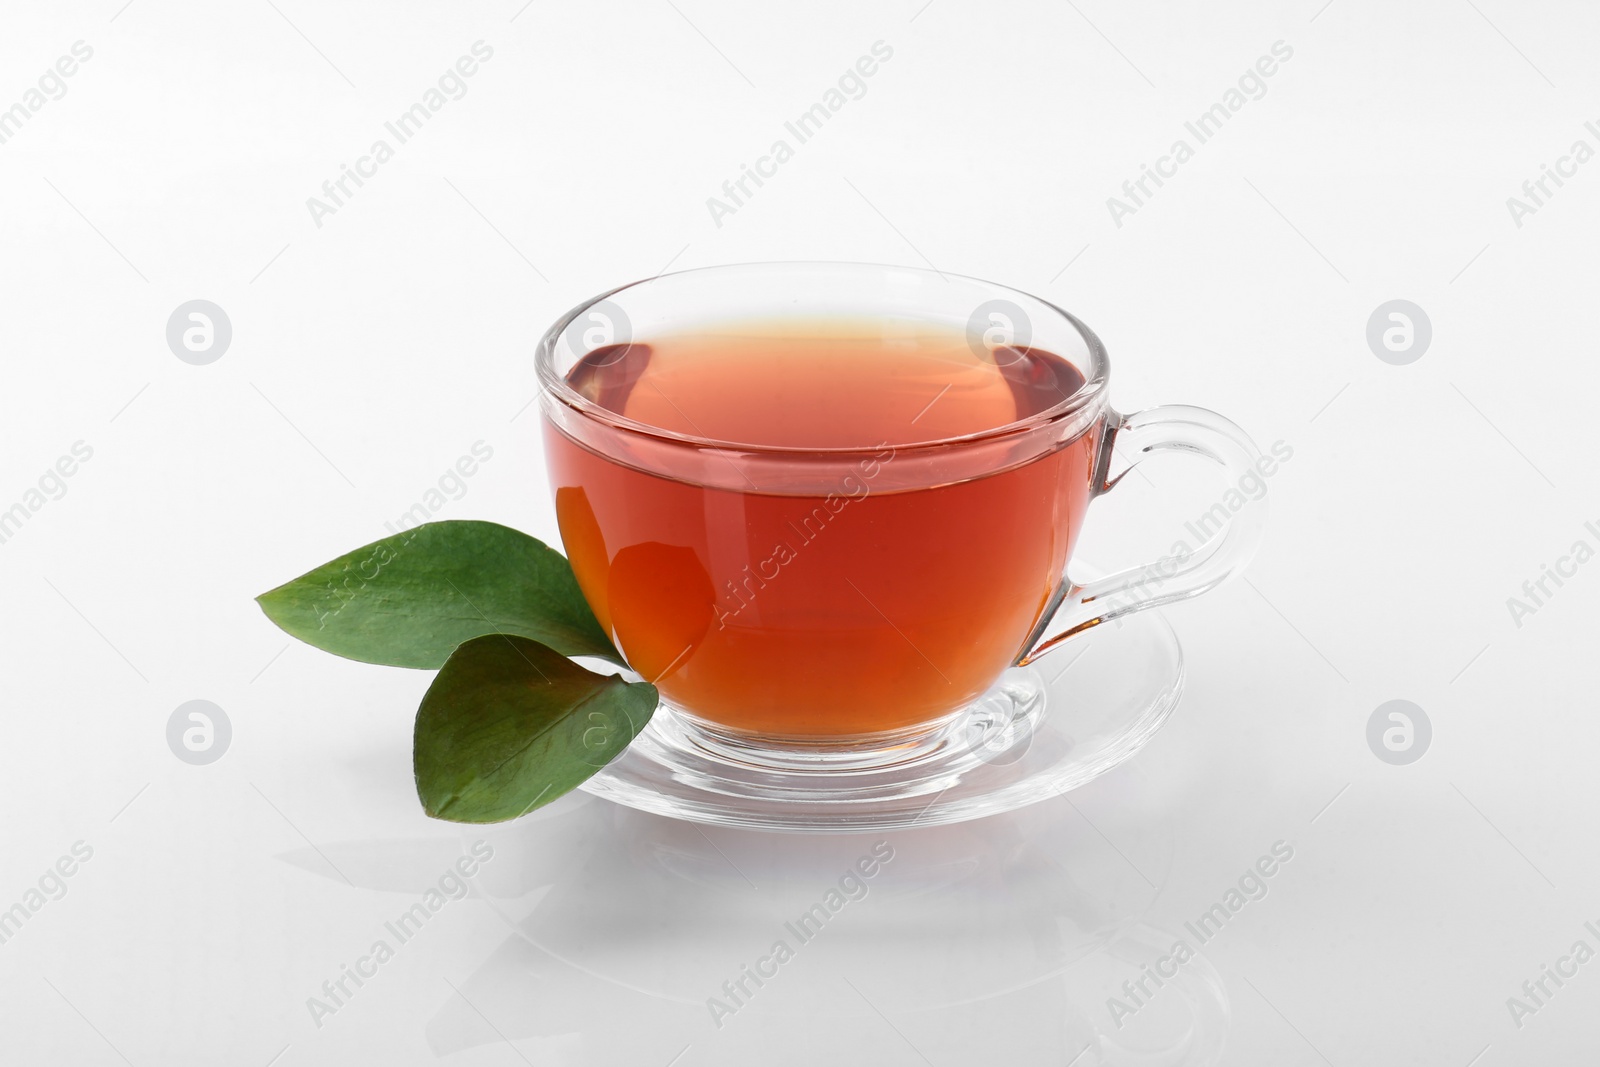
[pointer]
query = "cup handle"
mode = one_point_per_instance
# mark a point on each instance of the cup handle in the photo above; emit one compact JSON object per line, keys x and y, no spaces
{"x":1181,"y":574}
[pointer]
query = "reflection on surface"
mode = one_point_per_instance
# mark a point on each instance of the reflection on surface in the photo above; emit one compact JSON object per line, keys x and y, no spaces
{"x":630,"y":937}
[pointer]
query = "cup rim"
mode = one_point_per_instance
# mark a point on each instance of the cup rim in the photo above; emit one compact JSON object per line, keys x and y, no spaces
{"x":552,"y":386}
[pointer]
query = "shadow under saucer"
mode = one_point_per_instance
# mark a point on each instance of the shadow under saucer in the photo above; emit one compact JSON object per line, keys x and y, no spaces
{"x":1004,"y":940}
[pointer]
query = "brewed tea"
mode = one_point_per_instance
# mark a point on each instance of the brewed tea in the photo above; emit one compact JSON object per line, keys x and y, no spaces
{"x":837,"y":594}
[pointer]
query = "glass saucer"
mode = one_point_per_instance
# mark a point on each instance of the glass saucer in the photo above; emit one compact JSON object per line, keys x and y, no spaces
{"x":1040,"y":731}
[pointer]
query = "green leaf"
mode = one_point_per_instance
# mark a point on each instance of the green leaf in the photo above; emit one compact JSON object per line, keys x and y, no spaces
{"x":509,"y":725}
{"x":410,"y":599}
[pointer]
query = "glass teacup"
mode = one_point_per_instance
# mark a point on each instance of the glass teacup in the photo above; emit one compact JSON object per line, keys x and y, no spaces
{"x":823,"y":507}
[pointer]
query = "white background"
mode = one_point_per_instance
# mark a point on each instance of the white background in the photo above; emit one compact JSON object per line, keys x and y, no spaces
{"x":371,"y":352}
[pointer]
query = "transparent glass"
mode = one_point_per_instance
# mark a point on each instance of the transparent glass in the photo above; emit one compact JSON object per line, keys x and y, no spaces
{"x":918,"y":580}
